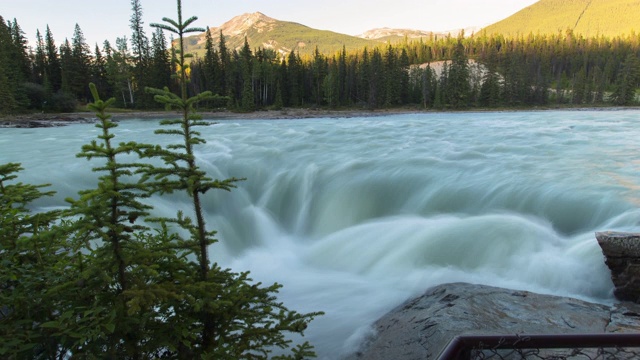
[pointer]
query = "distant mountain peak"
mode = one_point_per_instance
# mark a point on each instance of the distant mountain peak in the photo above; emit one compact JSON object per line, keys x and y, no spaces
{"x":253,"y":18}
{"x":242,"y":23}
{"x":385,"y":32}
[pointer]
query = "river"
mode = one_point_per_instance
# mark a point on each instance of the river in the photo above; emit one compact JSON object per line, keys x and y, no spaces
{"x":355,"y":215}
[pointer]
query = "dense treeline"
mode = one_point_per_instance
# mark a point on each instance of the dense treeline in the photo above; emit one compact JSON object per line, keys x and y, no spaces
{"x":524,"y":71}
{"x":431,"y":73}
{"x":49,"y":77}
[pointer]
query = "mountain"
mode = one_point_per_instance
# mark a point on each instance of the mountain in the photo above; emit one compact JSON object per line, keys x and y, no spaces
{"x":395,"y":35}
{"x":585,"y":17}
{"x":281,"y":36}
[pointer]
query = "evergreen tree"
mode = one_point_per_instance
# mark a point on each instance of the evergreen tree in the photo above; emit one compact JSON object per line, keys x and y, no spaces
{"x":118,"y":253}
{"x":279,"y":98}
{"x":598,"y":85}
{"x":39,"y":61}
{"x":246,"y":65}
{"x":331,"y":85}
{"x":79,"y":73}
{"x":225,"y":67}
{"x":282,"y":83}
{"x":516,"y":85}
{"x":160,"y":68}
{"x":458,"y":87}
{"x":64,"y":100}
{"x":266,"y":68}
{"x":8,"y":102}
{"x":139,"y":40}
{"x":16,"y":65}
{"x":293,"y":80}
{"x":35,"y":262}
{"x":490,"y":90}
{"x":579,"y":88}
{"x":343,"y":95}
{"x":140,"y":58}
{"x":351,"y":85}
{"x":627,"y":81}
{"x":98,"y":71}
{"x":119,"y":71}
{"x":35,"y":88}
{"x":391,"y":78}
{"x":53,"y":70}
{"x":212,"y":69}
{"x":228,"y":306}
{"x":21,"y":53}
{"x":403,"y":76}
{"x":364,"y":86}
{"x":67,"y":67}
{"x":429,"y":83}
{"x":376,"y":80}
{"x":319,"y":71}
{"x":440,"y":100}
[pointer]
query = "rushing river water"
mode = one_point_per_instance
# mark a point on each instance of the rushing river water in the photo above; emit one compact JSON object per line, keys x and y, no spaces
{"x":354,"y":216}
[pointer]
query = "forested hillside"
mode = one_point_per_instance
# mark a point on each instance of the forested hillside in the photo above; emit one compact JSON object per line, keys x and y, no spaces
{"x":590,"y":18}
{"x":561,"y":68}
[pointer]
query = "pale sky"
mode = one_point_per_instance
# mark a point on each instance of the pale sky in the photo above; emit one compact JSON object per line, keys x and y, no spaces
{"x":106,"y":20}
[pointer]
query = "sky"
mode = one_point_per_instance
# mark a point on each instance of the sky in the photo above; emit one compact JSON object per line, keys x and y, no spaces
{"x":107,"y":20}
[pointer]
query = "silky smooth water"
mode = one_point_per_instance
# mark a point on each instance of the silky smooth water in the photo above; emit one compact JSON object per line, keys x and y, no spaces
{"x":354,"y":216}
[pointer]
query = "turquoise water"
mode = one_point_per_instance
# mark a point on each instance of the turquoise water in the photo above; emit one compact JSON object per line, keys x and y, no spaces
{"x":354,"y":216}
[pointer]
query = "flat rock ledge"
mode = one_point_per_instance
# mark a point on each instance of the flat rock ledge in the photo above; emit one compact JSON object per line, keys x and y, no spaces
{"x":43,"y":121}
{"x":422,"y":327}
{"x":622,"y":256}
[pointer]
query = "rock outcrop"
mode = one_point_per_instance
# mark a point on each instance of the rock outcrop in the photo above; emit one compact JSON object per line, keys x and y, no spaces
{"x":622,"y":256}
{"x":422,"y":327}
{"x":42,"y":121}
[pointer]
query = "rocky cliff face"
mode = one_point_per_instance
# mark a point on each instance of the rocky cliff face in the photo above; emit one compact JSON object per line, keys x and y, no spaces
{"x":622,"y":256}
{"x":422,"y":327}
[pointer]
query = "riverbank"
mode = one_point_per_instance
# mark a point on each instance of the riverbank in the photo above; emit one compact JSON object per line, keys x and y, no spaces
{"x":34,"y":120}
{"x":61,"y":119}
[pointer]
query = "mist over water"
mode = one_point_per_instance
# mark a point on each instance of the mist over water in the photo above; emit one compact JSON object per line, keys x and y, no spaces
{"x":354,"y":216}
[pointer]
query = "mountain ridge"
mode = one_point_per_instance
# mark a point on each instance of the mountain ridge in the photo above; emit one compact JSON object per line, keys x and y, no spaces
{"x":262,"y":31}
{"x":395,"y":34}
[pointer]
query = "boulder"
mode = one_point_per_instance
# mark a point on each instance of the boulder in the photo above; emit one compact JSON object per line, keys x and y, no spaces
{"x":622,"y":256}
{"x":422,"y":327}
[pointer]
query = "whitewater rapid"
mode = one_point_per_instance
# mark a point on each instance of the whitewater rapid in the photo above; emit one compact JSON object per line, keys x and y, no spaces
{"x":355,"y":215}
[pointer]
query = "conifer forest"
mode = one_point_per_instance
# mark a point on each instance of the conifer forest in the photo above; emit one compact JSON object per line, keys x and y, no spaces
{"x":429,"y":73}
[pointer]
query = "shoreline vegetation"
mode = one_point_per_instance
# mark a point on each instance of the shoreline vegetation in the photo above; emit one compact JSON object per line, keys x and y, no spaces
{"x":35,"y":120}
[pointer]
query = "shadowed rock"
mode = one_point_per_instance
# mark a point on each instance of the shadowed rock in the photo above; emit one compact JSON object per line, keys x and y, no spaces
{"x":622,"y":256}
{"x":422,"y":327}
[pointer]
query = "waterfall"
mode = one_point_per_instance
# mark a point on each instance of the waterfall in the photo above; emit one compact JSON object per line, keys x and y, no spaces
{"x":354,"y":216}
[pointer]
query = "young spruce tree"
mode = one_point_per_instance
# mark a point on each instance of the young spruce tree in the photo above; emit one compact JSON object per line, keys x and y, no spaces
{"x":103,"y":230}
{"x":33,"y":260}
{"x":229,"y":316}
